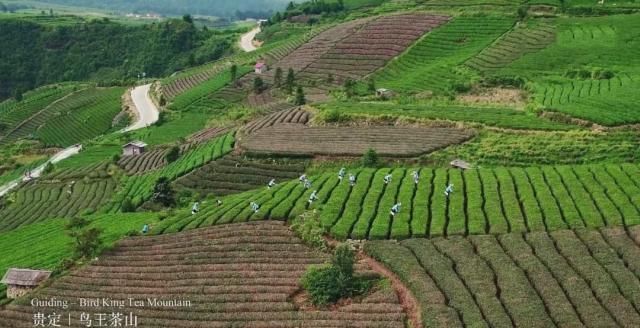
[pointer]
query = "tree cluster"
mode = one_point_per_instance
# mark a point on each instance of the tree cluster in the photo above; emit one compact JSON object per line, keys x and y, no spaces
{"x":86,"y":241}
{"x":313,"y":7}
{"x":34,"y":54}
{"x":328,"y":284}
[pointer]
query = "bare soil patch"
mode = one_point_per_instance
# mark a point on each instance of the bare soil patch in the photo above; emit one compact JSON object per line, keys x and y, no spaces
{"x":499,"y":96}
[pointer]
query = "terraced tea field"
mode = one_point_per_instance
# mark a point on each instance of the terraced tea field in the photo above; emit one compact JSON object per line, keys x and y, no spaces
{"x":207,"y":95}
{"x":591,"y":71}
{"x":63,"y":195}
{"x":276,"y":51}
{"x":206,"y":135}
{"x":302,"y":57}
{"x":522,"y":40}
{"x":608,"y":102}
{"x":80,"y":116}
{"x":273,"y":52}
{"x":295,"y":115}
{"x":243,"y":274}
{"x":299,"y":140}
{"x":13,"y":113}
{"x":492,"y":201}
{"x":44,"y":245}
{"x":583,"y":278}
{"x":231,"y":175}
{"x":267,"y":103}
{"x":430,"y":63}
{"x":535,"y":148}
{"x":139,"y":188}
{"x":148,"y":161}
{"x":372,"y":46}
{"x":502,"y":117}
{"x":540,"y":96}
{"x":175,"y":87}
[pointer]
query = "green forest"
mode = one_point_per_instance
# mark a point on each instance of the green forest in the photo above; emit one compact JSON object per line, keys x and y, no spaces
{"x":35,"y":54}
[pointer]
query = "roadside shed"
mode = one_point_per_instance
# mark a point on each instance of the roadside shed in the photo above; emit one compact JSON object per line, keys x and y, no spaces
{"x":261,"y":68}
{"x":384,"y":93}
{"x":134,"y":148}
{"x":21,"y":281}
{"x":460,"y":164}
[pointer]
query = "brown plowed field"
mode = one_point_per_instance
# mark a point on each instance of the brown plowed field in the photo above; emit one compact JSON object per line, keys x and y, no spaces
{"x":370,"y":47}
{"x":297,"y":139}
{"x":294,"y":115}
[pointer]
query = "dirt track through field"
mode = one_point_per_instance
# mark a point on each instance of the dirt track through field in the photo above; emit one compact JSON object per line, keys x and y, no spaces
{"x":147,"y":112}
{"x":246,"y":41}
{"x":35,"y":173}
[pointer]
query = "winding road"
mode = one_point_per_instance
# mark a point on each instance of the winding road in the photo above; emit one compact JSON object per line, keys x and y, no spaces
{"x":147,"y":112}
{"x":37,"y":172}
{"x":246,"y":40}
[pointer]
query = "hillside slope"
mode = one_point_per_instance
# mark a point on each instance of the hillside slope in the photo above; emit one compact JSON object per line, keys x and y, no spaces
{"x":242,"y":275}
{"x":35,"y":54}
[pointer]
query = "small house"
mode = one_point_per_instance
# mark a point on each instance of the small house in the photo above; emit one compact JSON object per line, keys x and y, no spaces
{"x":460,"y":164}
{"x":21,"y":281}
{"x":384,"y":93}
{"x":134,"y":148}
{"x":261,"y":68}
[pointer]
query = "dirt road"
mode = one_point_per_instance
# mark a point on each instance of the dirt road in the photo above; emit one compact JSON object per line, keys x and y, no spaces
{"x":146,"y":111}
{"x":246,"y":41}
{"x":37,"y":172}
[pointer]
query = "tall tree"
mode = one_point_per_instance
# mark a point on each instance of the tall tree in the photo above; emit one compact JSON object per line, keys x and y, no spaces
{"x":17,"y":94}
{"x":258,"y":85}
{"x":86,"y":241}
{"x":371,"y":85}
{"x":234,"y":72}
{"x":300,"y":98}
{"x":277,"y":79}
{"x":291,"y":81}
{"x":163,"y":193}
{"x":349,"y":87}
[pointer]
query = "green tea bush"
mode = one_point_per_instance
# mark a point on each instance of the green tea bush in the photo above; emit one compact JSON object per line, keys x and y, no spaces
{"x":173,"y":154}
{"x":370,"y":158}
{"x":327,"y":284}
{"x":309,"y":228}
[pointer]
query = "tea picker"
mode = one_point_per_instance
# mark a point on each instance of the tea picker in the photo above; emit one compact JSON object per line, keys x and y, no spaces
{"x":395,"y":209}
{"x":387,"y":178}
{"x":448,"y":190}
{"x":341,"y":174}
{"x":313,"y":197}
{"x":352,"y":179}
{"x":254,"y":207}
